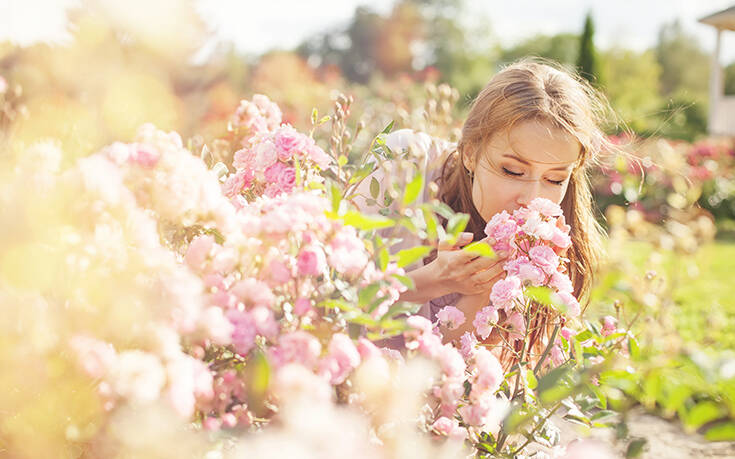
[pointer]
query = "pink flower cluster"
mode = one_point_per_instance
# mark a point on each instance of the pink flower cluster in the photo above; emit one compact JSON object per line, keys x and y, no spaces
{"x":535,"y":238}
{"x":267,"y":162}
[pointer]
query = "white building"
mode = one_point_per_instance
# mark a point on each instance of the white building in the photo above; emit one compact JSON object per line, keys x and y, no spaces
{"x":721,"y":107}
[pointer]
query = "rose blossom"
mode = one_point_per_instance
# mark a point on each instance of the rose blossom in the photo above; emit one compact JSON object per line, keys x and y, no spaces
{"x":608,"y":325}
{"x":545,"y":258}
{"x":545,"y":207}
{"x":489,"y":372}
{"x":288,"y":142}
{"x":468,"y":341}
{"x":310,"y":262}
{"x":485,"y":320}
{"x":505,"y":291}
{"x":451,"y":317}
{"x":517,"y":326}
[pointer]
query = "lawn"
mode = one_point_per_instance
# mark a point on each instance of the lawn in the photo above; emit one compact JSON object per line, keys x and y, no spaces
{"x":701,"y":286}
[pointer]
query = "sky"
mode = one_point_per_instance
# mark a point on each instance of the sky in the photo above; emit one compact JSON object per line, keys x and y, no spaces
{"x":256,"y":26}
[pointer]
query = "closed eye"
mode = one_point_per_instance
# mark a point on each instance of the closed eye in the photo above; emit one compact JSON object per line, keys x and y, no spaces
{"x":514,"y":174}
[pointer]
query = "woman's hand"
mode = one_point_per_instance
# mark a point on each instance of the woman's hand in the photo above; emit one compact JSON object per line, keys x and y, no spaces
{"x":460,"y":271}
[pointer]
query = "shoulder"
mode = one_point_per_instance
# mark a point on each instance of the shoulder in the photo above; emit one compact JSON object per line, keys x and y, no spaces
{"x":431,"y":148}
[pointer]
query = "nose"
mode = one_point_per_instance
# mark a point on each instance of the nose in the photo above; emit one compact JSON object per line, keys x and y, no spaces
{"x":529,"y":192}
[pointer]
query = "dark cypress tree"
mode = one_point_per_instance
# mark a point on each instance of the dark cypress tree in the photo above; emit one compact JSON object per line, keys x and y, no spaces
{"x":587,"y":59}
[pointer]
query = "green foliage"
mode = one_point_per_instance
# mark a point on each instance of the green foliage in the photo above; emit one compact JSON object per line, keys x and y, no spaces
{"x":587,"y":59}
{"x":562,"y":48}
{"x":632,"y":86}
{"x":729,"y":75}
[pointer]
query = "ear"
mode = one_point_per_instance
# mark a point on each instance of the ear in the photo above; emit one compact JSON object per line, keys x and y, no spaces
{"x":468,"y":158}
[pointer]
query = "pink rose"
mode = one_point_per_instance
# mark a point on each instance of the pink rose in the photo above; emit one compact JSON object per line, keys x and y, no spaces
{"x":489,"y":375}
{"x":609,"y":325}
{"x":265,"y":155}
{"x":288,"y":142}
{"x":198,"y":251}
{"x":505,"y":291}
{"x":296,"y":347}
{"x":451,"y":362}
{"x":244,"y":331}
{"x":253,"y":292}
{"x":145,"y":156}
{"x":449,"y":428}
{"x":244,"y":159}
{"x":468,"y":343}
{"x":545,"y":207}
{"x":310,"y":263}
{"x":545,"y":258}
{"x":485,"y":320}
{"x":315,"y":153}
{"x":561,"y":282}
{"x":302,"y":306}
{"x":517,"y":326}
{"x":278,"y":273}
{"x":282,"y":175}
{"x":573,"y":307}
{"x":451,"y":317}
{"x":236,"y":183}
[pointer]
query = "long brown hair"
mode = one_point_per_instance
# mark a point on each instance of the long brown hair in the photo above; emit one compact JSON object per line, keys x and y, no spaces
{"x":534,"y":90}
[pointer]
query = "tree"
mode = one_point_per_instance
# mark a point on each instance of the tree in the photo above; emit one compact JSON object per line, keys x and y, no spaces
{"x":561,"y":48}
{"x":685,"y":66}
{"x":632,"y":86}
{"x":587,"y":59}
{"x":730,"y":79}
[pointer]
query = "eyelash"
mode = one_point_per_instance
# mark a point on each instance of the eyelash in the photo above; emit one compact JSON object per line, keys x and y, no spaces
{"x":518,"y":174}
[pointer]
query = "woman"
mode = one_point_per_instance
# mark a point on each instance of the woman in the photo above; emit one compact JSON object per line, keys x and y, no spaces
{"x":533,"y":131}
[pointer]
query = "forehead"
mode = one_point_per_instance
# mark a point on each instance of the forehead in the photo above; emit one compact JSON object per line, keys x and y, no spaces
{"x":536,"y":142}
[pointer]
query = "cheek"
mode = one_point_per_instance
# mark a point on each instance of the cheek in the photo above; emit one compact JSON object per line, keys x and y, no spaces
{"x":491,"y":197}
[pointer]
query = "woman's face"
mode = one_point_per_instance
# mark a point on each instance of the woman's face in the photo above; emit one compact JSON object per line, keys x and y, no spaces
{"x":532,"y":159}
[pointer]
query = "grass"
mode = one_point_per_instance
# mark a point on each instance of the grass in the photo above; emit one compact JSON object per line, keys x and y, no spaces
{"x":702,"y":287}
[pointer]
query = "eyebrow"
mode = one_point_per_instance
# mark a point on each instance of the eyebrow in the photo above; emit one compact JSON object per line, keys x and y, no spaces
{"x":521,"y":160}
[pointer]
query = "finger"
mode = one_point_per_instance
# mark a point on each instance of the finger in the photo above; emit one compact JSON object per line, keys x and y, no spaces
{"x":461,"y":240}
{"x":483,"y":263}
{"x":486,"y":284}
{"x":487,"y":278}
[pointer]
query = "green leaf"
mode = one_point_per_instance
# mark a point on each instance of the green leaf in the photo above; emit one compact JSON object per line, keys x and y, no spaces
{"x":633,"y":348}
{"x":342,"y":160}
{"x":408,"y":256}
{"x":388,"y":128}
{"x":374,"y":188}
{"x":545,"y":296}
{"x":314,"y":115}
{"x":362,"y":319}
{"x":338,"y":304}
{"x":721,"y":432}
{"x":260,"y":374}
{"x":366,"y":222}
{"x":362,"y":172}
{"x":220,"y":170}
{"x":602,"y":414}
{"x":383,"y":258}
{"x":324,"y":119}
{"x":431,"y":224}
{"x":602,"y":399}
{"x":367,"y":294}
{"x":635,"y":447}
{"x":336,"y":197}
{"x":702,"y":413}
{"x":457,"y":223}
{"x":405,"y":280}
{"x":531,"y":378}
{"x":413,"y":189}
{"x":480,"y":248}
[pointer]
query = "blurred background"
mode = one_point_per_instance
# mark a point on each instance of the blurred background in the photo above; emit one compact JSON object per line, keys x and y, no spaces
{"x":85,"y":73}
